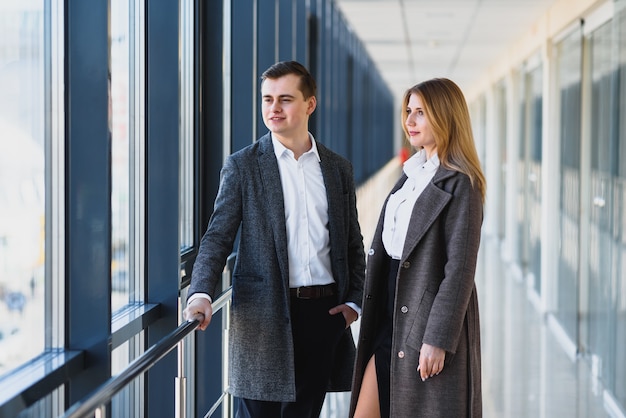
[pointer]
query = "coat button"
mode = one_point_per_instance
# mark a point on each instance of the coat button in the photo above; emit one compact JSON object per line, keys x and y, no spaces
{"x":371,"y":251}
{"x":406,"y":264}
{"x":404,"y":309}
{"x":400,"y":354}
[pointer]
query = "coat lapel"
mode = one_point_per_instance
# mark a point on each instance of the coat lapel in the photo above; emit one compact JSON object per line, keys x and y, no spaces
{"x":274,"y":199}
{"x":332,"y":182}
{"x":426,"y":210}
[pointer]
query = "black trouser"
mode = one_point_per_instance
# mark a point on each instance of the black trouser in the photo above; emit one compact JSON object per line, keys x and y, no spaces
{"x":315,"y":337}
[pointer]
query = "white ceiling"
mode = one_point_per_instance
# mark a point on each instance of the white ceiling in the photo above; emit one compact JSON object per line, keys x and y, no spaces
{"x":413,"y":40}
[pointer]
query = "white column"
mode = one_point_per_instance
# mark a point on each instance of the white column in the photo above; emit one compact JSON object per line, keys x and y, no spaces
{"x":550,"y":187}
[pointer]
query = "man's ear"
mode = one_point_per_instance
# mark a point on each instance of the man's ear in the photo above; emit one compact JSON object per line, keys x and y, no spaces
{"x":312,"y":105}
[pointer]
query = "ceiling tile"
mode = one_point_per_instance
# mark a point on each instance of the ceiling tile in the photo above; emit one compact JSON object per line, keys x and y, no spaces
{"x":459,"y":39}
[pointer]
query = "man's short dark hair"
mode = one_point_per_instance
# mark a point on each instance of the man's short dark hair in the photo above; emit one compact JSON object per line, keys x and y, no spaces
{"x":280,"y":69}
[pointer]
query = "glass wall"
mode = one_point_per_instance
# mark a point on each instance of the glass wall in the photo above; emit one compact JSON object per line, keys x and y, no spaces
{"x":25,"y":137}
{"x":187,"y":125}
{"x":568,"y":57}
{"x":618,"y":384}
{"x":599,"y":319}
{"x":605,"y":295}
{"x":535,"y":141}
{"x":127,"y":125}
{"x":529,"y":166}
{"x":521,"y":213}
{"x":501,"y":133}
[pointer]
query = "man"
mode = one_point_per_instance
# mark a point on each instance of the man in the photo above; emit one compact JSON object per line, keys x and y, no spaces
{"x":298,"y":278}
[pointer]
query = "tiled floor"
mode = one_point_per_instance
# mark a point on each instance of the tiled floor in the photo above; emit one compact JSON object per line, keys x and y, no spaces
{"x":526,"y":372}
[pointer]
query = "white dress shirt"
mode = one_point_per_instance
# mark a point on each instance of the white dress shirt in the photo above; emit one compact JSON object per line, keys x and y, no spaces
{"x":306,"y":216}
{"x":420,"y":172}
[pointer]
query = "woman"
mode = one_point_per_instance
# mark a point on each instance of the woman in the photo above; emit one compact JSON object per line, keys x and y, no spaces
{"x":419,"y":344}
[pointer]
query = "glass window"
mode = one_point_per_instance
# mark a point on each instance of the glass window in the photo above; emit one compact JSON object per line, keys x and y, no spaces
{"x":599,"y":294}
{"x":501,"y":126}
{"x":619,"y":222}
{"x":127,"y":150}
{"x":187,"y":126}
{"x":129,"y":401}
{"x":568,"y":61}
{"x":127,"y":125}
{"x":535,"y":141}
{"x":24,"y":65}
{"x":521,"y":169}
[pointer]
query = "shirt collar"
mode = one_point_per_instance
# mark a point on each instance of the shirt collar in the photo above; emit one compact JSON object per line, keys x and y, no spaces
{"x":418,"y":160}
{"x":280,"y":149}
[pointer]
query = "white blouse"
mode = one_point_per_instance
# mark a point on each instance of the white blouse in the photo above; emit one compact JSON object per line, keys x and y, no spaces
{"x":420,"y":172}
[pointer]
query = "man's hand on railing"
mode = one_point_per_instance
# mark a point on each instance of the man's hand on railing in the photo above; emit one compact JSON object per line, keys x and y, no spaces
{"x":200,"y":309}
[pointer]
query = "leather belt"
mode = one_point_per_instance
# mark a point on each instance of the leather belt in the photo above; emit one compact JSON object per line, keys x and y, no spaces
{"x":314,"y":292}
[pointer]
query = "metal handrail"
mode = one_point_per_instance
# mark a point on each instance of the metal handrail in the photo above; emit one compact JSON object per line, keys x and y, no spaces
{"x":103,"y":394}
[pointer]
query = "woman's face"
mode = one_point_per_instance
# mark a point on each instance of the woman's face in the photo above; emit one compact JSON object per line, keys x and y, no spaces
{"x":418,"y":126}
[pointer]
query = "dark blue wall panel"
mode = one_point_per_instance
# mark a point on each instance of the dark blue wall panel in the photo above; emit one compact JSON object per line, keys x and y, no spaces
{"x":162,"y":202}
{"x":88,"y":202}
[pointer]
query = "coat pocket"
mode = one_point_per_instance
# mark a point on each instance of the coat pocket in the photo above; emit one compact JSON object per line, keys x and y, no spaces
{"x":418,"y":328}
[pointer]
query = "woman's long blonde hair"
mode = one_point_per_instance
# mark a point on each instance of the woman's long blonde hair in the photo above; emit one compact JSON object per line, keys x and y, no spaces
{"x":446,"y":110}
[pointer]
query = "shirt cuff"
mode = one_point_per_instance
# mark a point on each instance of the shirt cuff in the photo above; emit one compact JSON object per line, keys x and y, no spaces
{"x":355,"y":307}
{"x":199,"y":296}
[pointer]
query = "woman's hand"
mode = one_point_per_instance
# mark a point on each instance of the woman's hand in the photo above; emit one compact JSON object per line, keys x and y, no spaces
{"x":431,"y":361}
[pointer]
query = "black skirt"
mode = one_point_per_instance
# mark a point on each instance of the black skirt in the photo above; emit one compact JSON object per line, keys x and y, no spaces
{"x":382,"y":351}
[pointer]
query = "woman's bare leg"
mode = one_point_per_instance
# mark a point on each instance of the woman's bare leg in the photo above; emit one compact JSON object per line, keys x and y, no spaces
{"x":367,"y":405}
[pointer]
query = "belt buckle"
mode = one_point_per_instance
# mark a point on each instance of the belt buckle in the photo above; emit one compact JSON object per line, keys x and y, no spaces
{"x":299,"y":296}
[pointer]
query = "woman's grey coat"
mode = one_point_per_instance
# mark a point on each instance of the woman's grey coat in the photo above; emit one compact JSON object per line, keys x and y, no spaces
{"x":250,"y":196}
{"x":435,"y":302}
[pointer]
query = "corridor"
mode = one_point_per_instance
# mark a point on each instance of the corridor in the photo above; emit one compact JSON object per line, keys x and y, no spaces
{"x":526,"y":372}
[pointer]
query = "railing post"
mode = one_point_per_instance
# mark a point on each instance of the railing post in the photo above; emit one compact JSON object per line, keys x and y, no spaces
{"x":100,"y":412}
{"x":181,"y":400}
{"x":181,"y":383}
{"x":227,"y":404}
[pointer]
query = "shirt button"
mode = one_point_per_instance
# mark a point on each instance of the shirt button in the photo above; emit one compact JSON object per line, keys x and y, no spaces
{"x":406,"y":265}
{"x":400,"y":354}
{"x":404,"y":309}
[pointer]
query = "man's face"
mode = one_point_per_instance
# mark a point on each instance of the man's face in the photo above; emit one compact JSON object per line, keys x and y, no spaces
{"x":285,"y":110}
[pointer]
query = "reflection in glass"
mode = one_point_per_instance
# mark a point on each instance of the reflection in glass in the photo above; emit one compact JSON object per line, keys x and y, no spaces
{"x":600,"y":318}
{"x":501,"y":129}
{"x":520,"y":192}
{"x":22,"y":182}
{"x":619,"y":249}
{"x":568,"y":61}
{"x":534,"y":122}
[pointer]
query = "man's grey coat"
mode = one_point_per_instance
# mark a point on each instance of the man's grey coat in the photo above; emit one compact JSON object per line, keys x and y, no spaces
{"x":250,"y":196}
{"x":435,"y":302}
